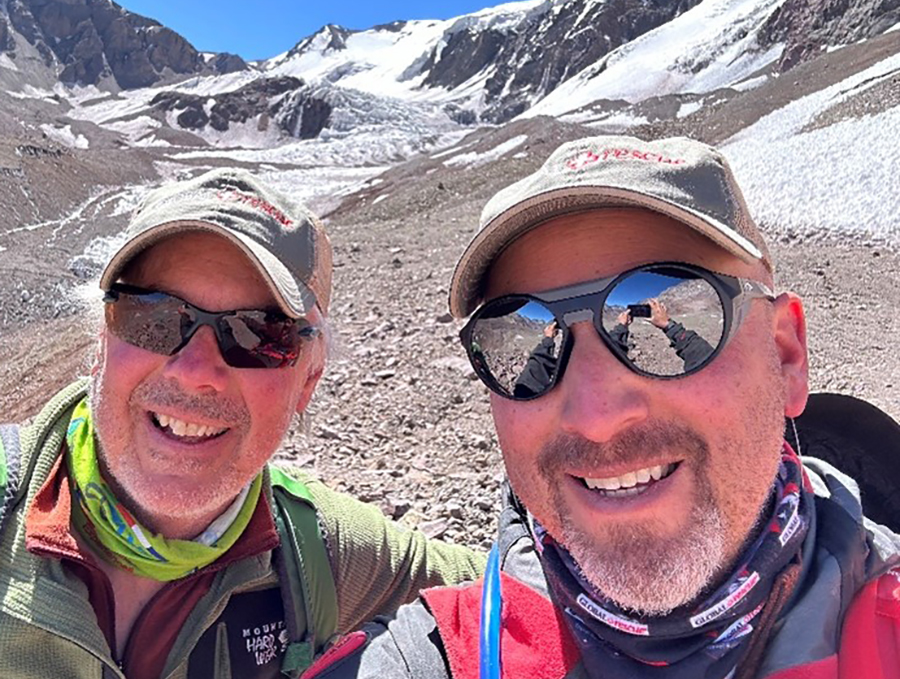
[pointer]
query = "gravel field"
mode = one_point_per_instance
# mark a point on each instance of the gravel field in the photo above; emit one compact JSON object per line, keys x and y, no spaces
{"x":399,"y":418}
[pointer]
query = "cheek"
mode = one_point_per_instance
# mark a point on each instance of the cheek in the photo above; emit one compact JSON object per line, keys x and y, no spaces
{"x":522,"y":430}
{"x":271,"y":396}
{"x":747,"y":427}
{"x":513,"y":424}
{"x":120,"y":368}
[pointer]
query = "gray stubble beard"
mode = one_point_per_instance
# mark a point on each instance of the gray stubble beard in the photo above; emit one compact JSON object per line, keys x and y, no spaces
{"x":647,"y":575}
{"x":634,"y":567}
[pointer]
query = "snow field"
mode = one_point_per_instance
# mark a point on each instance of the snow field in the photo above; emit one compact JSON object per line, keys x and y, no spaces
{"x":841,"y":177}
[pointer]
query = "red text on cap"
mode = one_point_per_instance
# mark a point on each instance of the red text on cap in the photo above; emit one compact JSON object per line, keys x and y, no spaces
{"x":585,"y":158}
{"x":258,"y":203}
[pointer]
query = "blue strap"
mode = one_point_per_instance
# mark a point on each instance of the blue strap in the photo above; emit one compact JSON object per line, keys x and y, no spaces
{"x":491,"y":603}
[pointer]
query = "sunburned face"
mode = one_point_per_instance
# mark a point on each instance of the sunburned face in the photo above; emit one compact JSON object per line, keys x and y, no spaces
{"x":693,"y":458}
{"x":181,"y":435}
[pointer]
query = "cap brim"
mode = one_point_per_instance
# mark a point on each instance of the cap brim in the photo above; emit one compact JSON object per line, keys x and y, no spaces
{"x":529,"y":214}
{"x":294,"y":298}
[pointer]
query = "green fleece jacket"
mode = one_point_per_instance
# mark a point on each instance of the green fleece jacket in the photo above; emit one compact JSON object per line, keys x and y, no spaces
{"x":49,"y":626}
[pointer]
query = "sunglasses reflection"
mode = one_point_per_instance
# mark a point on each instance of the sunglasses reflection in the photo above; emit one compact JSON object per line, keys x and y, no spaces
{"x":688,"y":345}
{"x":673,"y":332}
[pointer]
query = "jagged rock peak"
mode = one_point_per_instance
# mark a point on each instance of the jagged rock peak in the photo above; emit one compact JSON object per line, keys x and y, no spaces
{"x":92,"y":42}
{"x":529,"y":53}
{"x":330,"y":37}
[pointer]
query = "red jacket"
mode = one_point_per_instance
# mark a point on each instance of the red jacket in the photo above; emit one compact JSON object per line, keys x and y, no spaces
{"x":869,"y":648}
{"x":842,"y":622}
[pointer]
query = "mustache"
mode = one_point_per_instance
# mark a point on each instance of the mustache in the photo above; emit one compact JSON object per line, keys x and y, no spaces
{"x":167,"y":393}
{"x":633,"y":445}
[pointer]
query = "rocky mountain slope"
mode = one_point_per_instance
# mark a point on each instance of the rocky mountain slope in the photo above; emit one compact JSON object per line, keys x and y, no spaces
{"x":97,"y":42}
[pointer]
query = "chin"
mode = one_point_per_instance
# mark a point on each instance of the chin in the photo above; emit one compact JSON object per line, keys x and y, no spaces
{"x":648,"y":575}
{"x":158,"y":502}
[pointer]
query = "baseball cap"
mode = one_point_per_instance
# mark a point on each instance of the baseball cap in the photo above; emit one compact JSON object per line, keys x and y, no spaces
{"x":684,"y":179}
{"x":279,"y":235}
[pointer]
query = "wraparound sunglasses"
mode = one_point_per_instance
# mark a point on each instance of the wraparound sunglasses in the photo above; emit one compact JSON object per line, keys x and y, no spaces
{"x":662,"y":320}
{"x":164,"y":324}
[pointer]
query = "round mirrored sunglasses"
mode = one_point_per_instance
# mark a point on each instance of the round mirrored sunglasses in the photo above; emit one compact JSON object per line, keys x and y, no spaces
{"x":664,"y":320}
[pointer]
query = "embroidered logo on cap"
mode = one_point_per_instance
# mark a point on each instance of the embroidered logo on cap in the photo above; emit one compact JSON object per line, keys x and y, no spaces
{"x":586,"y":158}
{"x":258,"y":203}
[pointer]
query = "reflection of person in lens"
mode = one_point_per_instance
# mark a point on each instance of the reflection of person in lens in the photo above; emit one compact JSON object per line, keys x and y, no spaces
{"x":541,"y":366}
{"x":619,"y":334}
{"x":690,"y":347}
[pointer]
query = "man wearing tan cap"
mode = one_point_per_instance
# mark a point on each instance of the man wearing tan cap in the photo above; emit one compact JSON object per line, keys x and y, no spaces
{"x":641,"y":366}
{"x":142,"y":532}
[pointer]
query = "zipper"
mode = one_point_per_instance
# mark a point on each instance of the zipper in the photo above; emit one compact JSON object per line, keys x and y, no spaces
{"x":190,"y":643}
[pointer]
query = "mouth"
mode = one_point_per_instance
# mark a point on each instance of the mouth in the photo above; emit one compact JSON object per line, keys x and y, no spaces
{"x":186,"y":431}
{"x":631,"y":483}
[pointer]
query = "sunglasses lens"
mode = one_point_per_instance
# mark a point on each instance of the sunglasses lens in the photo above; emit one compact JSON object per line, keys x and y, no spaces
{"x":515,"y":346}
{"x":259,"y":339}
{"x":151,"y":321}
{"x":162,"y":323}
{"x":665,"y":321}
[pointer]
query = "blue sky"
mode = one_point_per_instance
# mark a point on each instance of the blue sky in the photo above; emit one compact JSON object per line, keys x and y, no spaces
{"x":263,"y":28}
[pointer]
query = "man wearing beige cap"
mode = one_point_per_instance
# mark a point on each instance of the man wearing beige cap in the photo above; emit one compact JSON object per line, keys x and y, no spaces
{"x":641,"y":366}
{"x":142,"y":532}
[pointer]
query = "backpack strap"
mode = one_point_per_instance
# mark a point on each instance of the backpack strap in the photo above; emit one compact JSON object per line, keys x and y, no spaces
{"x":10,"y":461}
{"x":860,"y":440}
{"x":304,"y":573}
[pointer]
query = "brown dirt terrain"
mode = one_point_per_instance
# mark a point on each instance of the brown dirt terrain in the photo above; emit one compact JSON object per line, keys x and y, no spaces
{"x":399,"y":418}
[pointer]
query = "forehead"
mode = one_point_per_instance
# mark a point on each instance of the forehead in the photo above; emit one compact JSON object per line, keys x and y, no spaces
{"x":589,"y":245}
{"x":203,"y":268}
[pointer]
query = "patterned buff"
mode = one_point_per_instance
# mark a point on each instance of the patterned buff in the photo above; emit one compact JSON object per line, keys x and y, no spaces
{"x":706,"y":642}
{"x":118,"y":537}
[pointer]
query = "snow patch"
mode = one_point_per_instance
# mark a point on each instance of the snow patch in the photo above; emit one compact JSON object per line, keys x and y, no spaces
{"x":31,"y":92}
{"x":689,"y":107}
{"x":751,"y":83}
{"x":65,"y":136}
{"x":618,"y":121}
{"x":838,"y":177}
{"x":708,"y":47}
{"x":475,"y":159}
{"x":6,"y":62}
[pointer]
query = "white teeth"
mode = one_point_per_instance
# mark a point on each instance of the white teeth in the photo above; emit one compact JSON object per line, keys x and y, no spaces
{"x":618,"y":486}
{"x":628,"y":480}
{"x":182,"y":428}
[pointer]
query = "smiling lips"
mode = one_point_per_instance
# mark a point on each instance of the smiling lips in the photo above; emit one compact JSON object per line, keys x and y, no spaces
{"x":186,"y":430}
{"x":631,"y":483}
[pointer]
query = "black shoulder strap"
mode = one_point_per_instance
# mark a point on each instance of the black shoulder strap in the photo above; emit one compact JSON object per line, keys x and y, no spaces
{"x":10,"y":459}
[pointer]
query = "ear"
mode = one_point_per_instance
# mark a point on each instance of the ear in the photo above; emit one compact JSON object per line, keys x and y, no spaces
{"x":790,"y":341}
{"x":99,"y":352}
{"x":309,"y":386}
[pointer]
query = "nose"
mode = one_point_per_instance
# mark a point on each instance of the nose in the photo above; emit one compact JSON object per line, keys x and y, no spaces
{"x":199,"y":365}
{"x":600,"y":396}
